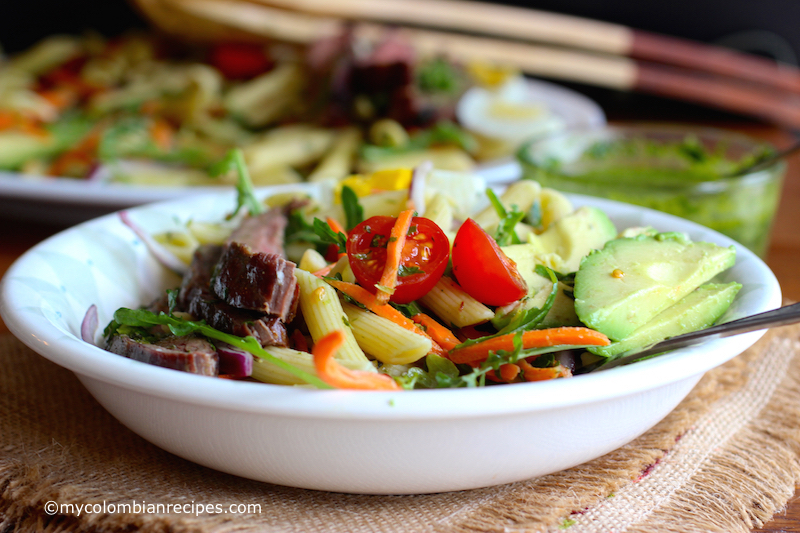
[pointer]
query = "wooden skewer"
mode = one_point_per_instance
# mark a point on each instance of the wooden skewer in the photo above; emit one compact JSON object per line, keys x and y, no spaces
{"x":615,"y":72}
{"x":564,"y":30}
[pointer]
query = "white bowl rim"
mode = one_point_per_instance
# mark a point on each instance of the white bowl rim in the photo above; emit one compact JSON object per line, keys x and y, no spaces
{"x":35,"y":330}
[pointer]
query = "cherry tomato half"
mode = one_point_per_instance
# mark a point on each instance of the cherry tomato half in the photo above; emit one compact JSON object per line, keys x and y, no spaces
{"x":240,"y":60}
{"x":424,"y":256}
{"x":483,"y":270}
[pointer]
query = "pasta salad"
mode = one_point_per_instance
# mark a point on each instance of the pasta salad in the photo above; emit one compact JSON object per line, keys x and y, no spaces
{"x":415,"y":279}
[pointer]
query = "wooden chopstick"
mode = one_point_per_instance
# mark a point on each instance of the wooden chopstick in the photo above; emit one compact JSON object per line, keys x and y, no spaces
{"x":533,"y":25}
{"x":616,"y":72}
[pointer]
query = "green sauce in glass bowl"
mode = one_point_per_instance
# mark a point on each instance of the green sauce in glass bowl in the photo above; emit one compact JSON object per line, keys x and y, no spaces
{"x":679,"y":170}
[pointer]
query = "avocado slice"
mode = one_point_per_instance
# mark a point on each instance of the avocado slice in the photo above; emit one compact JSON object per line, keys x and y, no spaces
{"x":697,"y":310}
{"x":574,"y":235}
{"x":626,"y":284}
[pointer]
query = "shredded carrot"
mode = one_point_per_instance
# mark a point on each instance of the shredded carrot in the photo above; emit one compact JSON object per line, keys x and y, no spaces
{"x":394,"y":252}
{"x":509,"y":371}
{"x":443,"y":336}
{"x":370,"y":301}
{"x":8,"y":119}
{"x":162,"y":133}
{"x":335,"y":226}
{"x":537,"y":338}
{"x":61,"y":97}
{"x":324,"y":271}
{"x":531,"y":373}
{"x":341,"y":377}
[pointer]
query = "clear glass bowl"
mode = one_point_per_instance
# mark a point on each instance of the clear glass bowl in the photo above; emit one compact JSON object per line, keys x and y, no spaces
{"x":675,"y":169}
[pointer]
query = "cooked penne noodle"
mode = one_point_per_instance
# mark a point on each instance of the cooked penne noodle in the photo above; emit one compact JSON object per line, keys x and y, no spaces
{"x":207,"y":233}
{"x":264,"y":370}
{"x":180,"y":243}
{"x":446,"y":158}
{"x":454,"y":306}
{"x":385,"y":340}
{"x":312,"y":261}
{"x":267,"y":97}
{"x":338,"y":163}
{"x":323,"y":314}
{"x":294,"y":146}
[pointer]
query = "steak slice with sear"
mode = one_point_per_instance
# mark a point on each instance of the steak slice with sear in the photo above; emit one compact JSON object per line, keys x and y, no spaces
{"x":189,"y":354}
{"x":196,"y":298}
{"x":255,"y":281}
{"x":252,"y":272}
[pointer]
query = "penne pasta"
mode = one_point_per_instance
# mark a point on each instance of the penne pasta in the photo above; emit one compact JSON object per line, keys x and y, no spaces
{"x":338,"y":163}
{"x":207,"y":233}
{"x":454,"y":306}
{"x":181,"y":244}
{"x":385,"y":340}
{"x":265,"y":371}
{"x":323,"y":314}
{"x":294,"y":146}
{"x":312,"y":261}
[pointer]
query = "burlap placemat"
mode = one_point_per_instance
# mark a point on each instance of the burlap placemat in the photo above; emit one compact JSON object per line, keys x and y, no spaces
{"x":725,"y":460}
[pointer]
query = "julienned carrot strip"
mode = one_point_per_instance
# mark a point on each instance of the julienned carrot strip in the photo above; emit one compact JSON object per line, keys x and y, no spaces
{"x":370,"y":301}
{"x":335,"y":226}
{"x":531,"y":373}
{"x":333,"y":249}
{"x":331,"y":372}
{"x":443,"y":336}
{"x":394,"y":252}
{"x":324,"y":271}
{"x":537,"y":338}
{"x":162,"y":133}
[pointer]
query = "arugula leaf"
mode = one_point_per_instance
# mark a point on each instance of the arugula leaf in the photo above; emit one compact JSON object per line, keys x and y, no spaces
{"x":326,"y":235}
{"x":543,"y":271}
{"x":234,"y":161}
{"x":299,"y":230}
{"x":142,"y":318}
{"x":508,"y":221}
{"x":409,"y":310}
{"x":353,"y":211}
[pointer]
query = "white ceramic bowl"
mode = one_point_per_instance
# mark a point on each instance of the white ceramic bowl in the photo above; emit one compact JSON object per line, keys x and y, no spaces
{"x":362,"y":442}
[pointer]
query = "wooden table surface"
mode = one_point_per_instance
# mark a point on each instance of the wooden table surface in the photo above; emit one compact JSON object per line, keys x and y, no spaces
{"x":784,"y":253}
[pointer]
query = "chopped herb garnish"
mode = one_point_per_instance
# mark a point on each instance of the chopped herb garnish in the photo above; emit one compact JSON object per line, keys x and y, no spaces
{"x":353,"y":211}
{"x":403,"y":271}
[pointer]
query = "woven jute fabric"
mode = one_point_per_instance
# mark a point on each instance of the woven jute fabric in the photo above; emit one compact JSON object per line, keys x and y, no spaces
{"x":726,"y":459}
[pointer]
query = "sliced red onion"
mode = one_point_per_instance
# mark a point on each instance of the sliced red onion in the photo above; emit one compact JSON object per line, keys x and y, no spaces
{"x":161,"y":254}
{"x":89,"y":324}
{"x":233,"y":361}
{"x":416,"y":190}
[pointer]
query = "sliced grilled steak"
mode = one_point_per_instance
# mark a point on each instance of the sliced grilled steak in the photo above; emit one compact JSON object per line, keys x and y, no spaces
{"x":189,"y":354}
{"x":256,"y":281}
{"x":252,"y":272}
{"x":262,"y":233}
{"x":196,"y":298}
